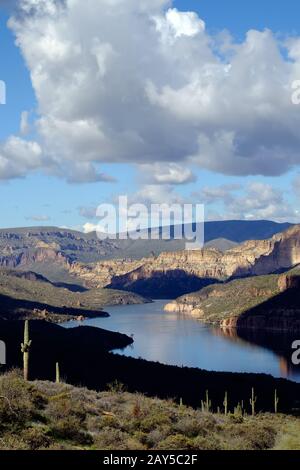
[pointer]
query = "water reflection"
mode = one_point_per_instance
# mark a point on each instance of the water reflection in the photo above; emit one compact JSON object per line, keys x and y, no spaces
{"x":179,"y":339}
{"x":280,"y":342}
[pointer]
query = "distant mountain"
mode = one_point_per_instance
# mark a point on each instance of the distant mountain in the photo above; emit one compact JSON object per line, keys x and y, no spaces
{"x":51,"y":251}
{"x":233,"y":231}
{"x":242,"y":230}
{"x":221,"y":244}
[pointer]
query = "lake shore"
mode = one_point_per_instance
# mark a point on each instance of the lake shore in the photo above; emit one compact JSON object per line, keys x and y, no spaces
{"x":85,"y":359}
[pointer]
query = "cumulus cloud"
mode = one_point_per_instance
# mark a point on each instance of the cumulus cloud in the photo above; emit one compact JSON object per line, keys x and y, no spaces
{"x":82,"y":172}
{"x":89,"y":227}
{"x":256,"y":200}
{"x":166,"y":173}
{"x":18,"y":157}
{"x":142,"y":82}
{"x":176,"y":24}
{"x":215,"y":194}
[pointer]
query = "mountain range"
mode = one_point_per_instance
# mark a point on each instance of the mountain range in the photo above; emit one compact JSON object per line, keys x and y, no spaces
{"x":51,"y":251}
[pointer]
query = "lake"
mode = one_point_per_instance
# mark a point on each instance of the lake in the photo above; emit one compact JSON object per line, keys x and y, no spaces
{"x":177,"y":339}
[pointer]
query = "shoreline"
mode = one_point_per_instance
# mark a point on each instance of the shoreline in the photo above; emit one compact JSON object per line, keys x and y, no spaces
{"x":84,"y":357}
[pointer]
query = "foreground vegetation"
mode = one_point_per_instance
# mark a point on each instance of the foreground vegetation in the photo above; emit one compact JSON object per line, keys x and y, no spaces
{"x":45,"y":415}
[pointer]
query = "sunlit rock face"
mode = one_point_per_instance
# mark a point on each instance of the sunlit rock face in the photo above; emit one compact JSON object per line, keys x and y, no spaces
{"x":280,"y":252}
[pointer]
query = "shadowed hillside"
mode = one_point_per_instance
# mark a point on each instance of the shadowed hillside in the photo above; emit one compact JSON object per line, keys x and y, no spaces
{"x":259,"y":302}
{"x":84,"y":359}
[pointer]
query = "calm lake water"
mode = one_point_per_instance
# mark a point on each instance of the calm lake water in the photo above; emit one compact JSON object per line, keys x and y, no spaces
{"x":178,"y":339}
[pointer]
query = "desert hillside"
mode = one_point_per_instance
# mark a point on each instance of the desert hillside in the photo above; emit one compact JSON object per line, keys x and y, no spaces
{"x":27,"y":295}
{"x":262,"y":302}
{"x":56,"y":416}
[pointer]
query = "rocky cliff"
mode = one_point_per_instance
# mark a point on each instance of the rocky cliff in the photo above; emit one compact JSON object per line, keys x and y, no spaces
{"x":185,"y":271}
{"x":101,"y":274}
{"x":37,"y":247}
{"x":269,"y":302}
{"x":50,"y":251}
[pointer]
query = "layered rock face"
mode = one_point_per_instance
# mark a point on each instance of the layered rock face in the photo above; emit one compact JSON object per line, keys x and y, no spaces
{"x":288,"y":281}
{"x":270,"y":302}
{"x":21,"y":247}
{"x":280,"y":252}
{"x":169,"y":274}
{"x":102,"y":273}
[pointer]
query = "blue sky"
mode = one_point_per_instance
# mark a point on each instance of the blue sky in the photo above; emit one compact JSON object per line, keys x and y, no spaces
{"x":40,"y":197}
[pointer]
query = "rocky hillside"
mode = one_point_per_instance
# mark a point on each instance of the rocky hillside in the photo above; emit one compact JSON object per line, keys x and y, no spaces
{"x":49,"y":416}
{"x":64,"y":256}
{"x":27,"y":295}
{"x":51,"y":250}
{"x":185,"y":271}
{"x":260,"y":302}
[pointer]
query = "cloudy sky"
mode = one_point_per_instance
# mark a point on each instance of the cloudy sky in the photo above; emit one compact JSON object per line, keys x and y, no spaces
{"x":166,"y":101}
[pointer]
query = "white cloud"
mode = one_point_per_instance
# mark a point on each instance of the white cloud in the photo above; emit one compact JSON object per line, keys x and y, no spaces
{"x":141,"y":82}
{"x":83,"y":172}
{"x":89,"y":227}
{"x":166,"y":173}
{"x":18,"y":157}
{"x":255,"y":201}
{"x":214,"y":194}
{"x":175,"y":24}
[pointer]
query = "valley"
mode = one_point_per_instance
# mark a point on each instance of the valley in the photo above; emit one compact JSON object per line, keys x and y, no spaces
{"x":232,"y":313}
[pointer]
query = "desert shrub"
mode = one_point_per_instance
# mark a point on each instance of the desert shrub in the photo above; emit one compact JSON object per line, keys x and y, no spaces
{"x":190,"y":427}
{"x":252,"y":435}
{"x":208,"y":423}
{"x":235,"y":418}
{"x":67,"y":418}
{"x":154,"y":437}
{"x":116,"y":387}
{"x":141,"y":436}
{"x":10,"y":441}
{"x":64,"y":407}
{"x":262,"y":437}
{"x":111,"y":439}
{"x":155,"y":420}
{"x":36,"y":437}
{"x":134,"y":444}
{"x":68,"y":428}
{"x":17,"y":403}
{"x":210,"y":442}
{"x":109,"y":421}
{"x":136,"y":409}
{"x":176,"y":442}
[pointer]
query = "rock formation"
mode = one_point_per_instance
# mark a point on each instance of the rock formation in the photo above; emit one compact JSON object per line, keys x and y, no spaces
{"x":280,"y":252}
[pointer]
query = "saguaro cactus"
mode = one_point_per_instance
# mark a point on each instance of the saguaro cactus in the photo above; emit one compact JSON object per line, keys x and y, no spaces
{"x":253,"y":400}
{"x":225,"y":403}
{"x":57,"y":377}
{"x":208,"y":402}
{"x":25,"y":346}
{"x":238,"y":410}
{"x":276,"y":401}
